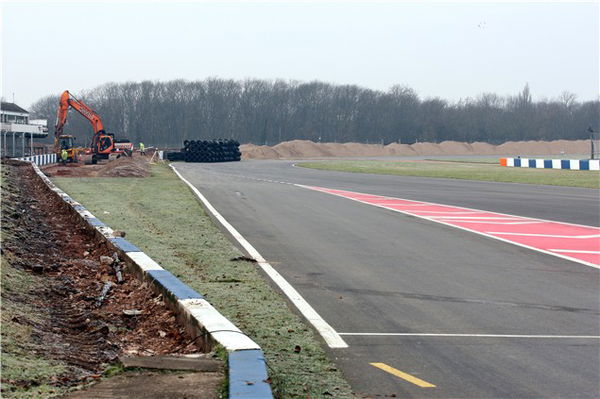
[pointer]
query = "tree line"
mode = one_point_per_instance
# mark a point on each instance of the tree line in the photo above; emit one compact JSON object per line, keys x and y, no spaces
{"x":268,"y":112}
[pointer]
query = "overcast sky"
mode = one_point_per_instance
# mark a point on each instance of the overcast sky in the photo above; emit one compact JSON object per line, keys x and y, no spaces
{"x":448,"y":50}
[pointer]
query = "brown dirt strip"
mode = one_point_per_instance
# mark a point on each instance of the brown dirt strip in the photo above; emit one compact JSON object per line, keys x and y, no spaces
{"x":122,"y":167}
{"x":40,"y":237}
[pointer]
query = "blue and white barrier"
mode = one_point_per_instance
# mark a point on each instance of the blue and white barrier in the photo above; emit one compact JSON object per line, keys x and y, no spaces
{"x":571,"y":164}
{"x":43,"y":159}
{"x":248,"y":377}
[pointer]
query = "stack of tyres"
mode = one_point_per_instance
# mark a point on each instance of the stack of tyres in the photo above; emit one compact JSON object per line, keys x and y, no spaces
{"x":222,"y":150}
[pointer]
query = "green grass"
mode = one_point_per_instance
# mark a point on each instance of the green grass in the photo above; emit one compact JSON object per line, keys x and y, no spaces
{"x":162,"y":217}
{"x":492,"y":161}
{"x":465,"y":170}
{"x":26,"y":373}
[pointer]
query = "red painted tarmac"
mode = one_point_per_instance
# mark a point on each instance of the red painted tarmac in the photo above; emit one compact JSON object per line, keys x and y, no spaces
{"x":573,"y":242}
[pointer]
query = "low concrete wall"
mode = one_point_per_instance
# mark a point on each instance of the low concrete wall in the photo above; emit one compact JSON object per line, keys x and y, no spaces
{"x":247,"y":367}
{"x":571,"y":164}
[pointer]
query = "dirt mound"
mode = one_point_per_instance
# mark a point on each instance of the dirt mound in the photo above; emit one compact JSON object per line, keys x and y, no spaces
{"x":455,"y":147}
{"x":125,"y":167}
{"x":122,"y":167}
{"x":481,"y":148}
{"x":299,"y":149}
{"x":404,"y":150}
{"x":258,"y":152}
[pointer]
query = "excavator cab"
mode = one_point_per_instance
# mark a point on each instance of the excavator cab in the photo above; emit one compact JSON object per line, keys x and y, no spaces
{"x":105,"y":144}
{"x":67,"y":142}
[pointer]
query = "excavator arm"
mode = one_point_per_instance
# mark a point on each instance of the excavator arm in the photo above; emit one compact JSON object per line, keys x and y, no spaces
{"x":67,"y":100}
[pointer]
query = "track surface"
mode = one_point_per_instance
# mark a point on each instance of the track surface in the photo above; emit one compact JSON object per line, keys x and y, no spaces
{"x":513,"y":322}
{"x":574,"y":242}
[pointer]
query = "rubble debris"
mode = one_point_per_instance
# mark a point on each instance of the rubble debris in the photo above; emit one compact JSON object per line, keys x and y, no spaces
{"x":37,"y":268}
{"x":103,"y":294}
{"x":117,"y":268}
{"x":132,"y":312}
{"x":106,"y":260}
{"x":118,"y":273}
{"x":243,"y":258}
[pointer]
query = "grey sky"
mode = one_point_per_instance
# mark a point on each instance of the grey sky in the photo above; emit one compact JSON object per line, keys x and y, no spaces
{"x":450,"y":50}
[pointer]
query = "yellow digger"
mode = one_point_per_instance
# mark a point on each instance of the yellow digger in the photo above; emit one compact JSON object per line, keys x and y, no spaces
{"x":67,"y":142}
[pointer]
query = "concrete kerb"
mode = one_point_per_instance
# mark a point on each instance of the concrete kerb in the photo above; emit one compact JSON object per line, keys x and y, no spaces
{"x":569,"y":164}
{"x":247,"y":367}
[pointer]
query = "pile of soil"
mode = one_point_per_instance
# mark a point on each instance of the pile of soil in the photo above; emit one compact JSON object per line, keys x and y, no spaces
{"x":69,"y":325}
{"x":136,"y":166}
{"x":302,"y":149}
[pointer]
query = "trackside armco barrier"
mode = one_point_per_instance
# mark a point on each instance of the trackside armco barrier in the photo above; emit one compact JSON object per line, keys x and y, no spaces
{"x":247,"y":367}
{"x":43,"y":159}
{"x":572,"y":164}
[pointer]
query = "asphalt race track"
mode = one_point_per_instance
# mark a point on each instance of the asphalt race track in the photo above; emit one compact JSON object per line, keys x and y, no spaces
{"x":427,"y":310}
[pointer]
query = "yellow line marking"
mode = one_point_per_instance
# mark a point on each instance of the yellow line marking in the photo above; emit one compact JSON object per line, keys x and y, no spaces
{"x":403,"y":375}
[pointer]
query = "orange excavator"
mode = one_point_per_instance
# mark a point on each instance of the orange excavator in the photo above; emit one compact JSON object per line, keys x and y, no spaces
{"x":103,"y":143}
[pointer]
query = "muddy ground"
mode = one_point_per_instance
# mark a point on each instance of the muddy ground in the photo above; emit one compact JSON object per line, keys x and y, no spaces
{"x":53,"y":314}
{"x":122,"y":167}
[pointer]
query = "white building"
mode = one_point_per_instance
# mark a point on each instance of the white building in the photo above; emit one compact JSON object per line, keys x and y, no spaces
{"x":17,"y":131}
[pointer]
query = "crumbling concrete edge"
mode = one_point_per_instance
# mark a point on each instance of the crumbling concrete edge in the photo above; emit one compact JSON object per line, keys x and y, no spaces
{"x":248,"y":377}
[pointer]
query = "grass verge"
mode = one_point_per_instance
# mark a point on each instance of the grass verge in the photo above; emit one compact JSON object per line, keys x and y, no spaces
{"x":162,"y":217}
{"x":465,"y":170}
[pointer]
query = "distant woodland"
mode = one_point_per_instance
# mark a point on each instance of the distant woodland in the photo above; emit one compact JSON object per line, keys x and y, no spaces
{"x":269,"y":112}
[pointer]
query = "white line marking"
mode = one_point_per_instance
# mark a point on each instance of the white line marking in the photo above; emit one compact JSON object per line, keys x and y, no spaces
{"x":383,"y":204}
{"x":506,"y":223}
{"x":574,"y":251}
{"x":475,"y":217}
{"x":472,"y":335}
{"x":331,"y":337}
{"x":446,"y":212}
{"x":466,"y":229}
{"x":542,"y":235}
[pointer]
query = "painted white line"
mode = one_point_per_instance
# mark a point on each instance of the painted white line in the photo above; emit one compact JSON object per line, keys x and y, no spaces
{"x":466,"y":221}
{"x":542,"y":235}
{"x":475,"y":217}
{"x":472,"y":335}
{"x":331,"y":337}
{"x":574,"y":251}
{"x":446,"y":212}
{"x":393,"y":204}
{"x":503,"y":223}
